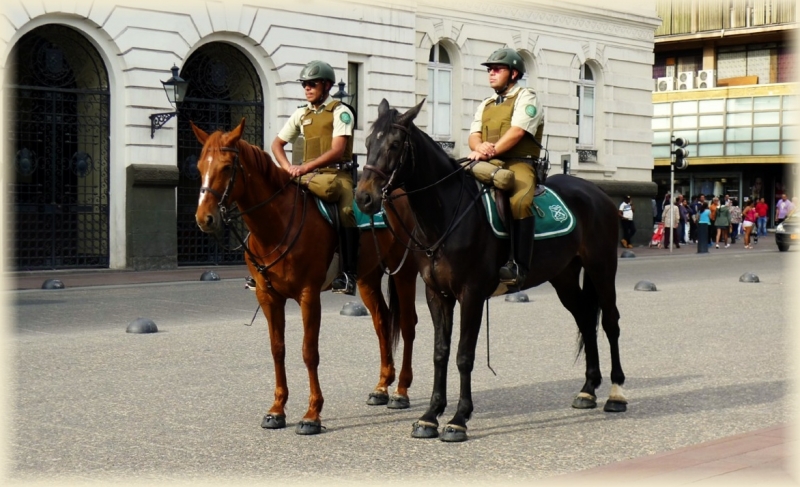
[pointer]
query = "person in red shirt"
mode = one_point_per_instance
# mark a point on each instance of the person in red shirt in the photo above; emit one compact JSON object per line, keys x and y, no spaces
{"x":762,"y":209}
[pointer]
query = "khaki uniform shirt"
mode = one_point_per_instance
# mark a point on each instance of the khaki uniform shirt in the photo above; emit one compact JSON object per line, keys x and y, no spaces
{"x":342,"y":124}
{"x":521,"y":117}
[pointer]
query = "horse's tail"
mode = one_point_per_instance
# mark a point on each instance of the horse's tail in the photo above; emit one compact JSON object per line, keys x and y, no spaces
{"x":394,"y":314}
{"x":591,"y":305}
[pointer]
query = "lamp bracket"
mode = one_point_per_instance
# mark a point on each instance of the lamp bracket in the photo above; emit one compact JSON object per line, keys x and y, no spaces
{"x":158,"y":120}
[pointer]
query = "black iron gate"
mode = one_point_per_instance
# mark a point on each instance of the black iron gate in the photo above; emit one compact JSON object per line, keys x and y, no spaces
{"x":58,"y":127}
{"x":223,"y":88}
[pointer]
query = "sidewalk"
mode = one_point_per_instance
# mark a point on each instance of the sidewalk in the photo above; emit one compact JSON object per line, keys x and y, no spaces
{"x":107,"y":277}
{"x":758,"y":458}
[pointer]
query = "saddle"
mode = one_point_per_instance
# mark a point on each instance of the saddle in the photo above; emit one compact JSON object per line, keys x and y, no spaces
{"x":553,"y":217}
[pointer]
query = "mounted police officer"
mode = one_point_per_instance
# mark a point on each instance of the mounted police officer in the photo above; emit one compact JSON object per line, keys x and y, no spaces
{"x":508,"y":126}
{"x":327,"y":127}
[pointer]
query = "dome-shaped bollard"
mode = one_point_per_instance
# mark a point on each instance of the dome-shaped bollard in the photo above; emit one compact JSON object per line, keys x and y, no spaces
{"x":519,"y":297}
{"x":353,"y":308}
{"x":645,"y":286}
{"x":627,"y":254}
{"x":142,"y":325}
{"x":209,"y":276}
{"x":52,"y":284}
{"x":748,"y":277}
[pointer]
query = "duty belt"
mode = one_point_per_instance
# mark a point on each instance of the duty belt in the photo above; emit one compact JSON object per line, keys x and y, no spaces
{"x":528,"y":160}
{"x":342,"y":166}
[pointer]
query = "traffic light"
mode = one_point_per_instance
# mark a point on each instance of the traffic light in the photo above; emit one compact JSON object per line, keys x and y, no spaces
{"x":680,"y":152}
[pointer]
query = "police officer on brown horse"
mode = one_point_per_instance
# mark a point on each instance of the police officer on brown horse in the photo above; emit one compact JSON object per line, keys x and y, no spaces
{"x":507,"y":130}
{"x":327,"y":127}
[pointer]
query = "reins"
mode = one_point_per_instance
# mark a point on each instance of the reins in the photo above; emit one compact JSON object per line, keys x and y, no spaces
{"x":431,"y":250}
{"x":227,"y":218}
{"x":388,"y":198}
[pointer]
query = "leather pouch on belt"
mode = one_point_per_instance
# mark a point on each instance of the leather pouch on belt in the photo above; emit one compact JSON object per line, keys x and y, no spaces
{"x":492,"y":173}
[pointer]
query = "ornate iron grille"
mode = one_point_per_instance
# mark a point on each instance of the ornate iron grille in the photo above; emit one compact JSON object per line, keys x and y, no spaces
{"x":58,"y":119}
{"x":223,"y":88}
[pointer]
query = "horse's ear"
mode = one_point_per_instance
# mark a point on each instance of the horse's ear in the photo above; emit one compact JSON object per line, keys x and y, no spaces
{"x":383,"y":108}
{"x":235,"y":134}
{"x":411,"y":114}
{"x":198,"y":132}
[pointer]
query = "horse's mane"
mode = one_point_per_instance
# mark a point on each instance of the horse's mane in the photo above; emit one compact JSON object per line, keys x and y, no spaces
{"x":384,"y":124}
{"x":249,"y":153}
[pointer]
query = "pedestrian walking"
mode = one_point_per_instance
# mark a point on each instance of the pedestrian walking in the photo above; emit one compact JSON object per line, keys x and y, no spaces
{"x":736,"y":219}
{"x":722,"y":223}
{"x":626,"y":220}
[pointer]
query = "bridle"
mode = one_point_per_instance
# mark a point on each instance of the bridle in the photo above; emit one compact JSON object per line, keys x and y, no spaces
{"x":228,"y":217}
{"x":387,"y":188}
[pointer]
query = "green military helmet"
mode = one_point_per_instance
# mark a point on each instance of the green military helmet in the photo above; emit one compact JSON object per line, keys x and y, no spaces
{"x":507,"y":57}
{"x":317,"y":70}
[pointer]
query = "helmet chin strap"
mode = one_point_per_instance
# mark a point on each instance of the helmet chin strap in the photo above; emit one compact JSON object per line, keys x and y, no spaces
{"x":504,"y":89}
{"x":508,"y":86}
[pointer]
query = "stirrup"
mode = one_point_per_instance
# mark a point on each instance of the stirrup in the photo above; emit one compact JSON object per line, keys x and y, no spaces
{"x":344,"y":284}
{"x":509,"y":273}
{"x":250,"y":283}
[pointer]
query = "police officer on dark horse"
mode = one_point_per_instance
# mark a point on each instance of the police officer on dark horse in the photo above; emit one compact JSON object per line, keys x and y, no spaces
{"x":460,"y":257}
{"x":508,"y":127}
{"x":327,"y":127}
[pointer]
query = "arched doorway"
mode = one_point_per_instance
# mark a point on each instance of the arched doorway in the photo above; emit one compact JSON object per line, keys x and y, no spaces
{"x":223,"y":88}
{"x":58,"y":126}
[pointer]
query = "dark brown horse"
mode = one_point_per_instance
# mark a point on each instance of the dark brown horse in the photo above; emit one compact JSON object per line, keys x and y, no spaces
{"x":462,"y":258}
{"x":289,"y":251}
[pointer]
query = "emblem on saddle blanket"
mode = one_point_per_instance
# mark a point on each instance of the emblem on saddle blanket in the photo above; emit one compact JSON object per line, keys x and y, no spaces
{"x":553,"y":218}
{"x":362,"y":220}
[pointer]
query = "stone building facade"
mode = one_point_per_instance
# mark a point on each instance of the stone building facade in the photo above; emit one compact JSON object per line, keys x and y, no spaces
{"x":90,"y":184}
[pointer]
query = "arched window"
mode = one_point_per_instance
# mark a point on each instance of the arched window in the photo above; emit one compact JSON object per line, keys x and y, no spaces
{"x":585,"y":114}
{"x":440,"y":75}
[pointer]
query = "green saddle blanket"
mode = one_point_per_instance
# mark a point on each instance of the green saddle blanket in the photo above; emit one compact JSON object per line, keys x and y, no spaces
{"x":362,"y":220}
{"x":557,"y":221}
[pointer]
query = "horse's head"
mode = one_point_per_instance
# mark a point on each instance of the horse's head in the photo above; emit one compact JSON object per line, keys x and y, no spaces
{"x":389,"y":156}
{"x":218,"y":166}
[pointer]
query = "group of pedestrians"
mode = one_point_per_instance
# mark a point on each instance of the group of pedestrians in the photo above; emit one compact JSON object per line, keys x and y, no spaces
{"x":718,"y":222}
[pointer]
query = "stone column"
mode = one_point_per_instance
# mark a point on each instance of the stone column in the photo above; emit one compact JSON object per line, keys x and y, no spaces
{"x":151,"y":217}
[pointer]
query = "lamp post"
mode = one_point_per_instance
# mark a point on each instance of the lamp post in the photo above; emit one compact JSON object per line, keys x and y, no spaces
{"x":175,"y":88}
{"x":342,"y":95}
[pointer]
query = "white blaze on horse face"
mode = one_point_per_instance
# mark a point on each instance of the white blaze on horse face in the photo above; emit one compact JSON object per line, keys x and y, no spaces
{"x":203,"y":194}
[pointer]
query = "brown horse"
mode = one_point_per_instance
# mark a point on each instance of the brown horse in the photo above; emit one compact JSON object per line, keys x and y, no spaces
{"x":289,"y":252}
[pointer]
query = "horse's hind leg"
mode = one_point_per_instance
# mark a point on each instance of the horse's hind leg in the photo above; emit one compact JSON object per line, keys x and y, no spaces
{"x":602,"y":277}
{"x":369,"y":286}
{"x":442,"y":315}
{"x":582,"y":303}
{"x":274,"y":310}
{"x":405,"y":287}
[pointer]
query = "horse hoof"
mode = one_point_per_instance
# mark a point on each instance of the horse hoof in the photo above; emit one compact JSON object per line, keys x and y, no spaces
{"x":377,"y":399}
{"x":422,"y":429}
{"x":584,"y":402}
{"x":615,"y":407}
{"x":308,"y":428}
{"x":452,"y":433}
{"x":399,"y":402}
{"x":273,"y":422}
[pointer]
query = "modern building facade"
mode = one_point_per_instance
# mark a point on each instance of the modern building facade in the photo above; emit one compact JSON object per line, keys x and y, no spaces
{"x":725,"y":79}
{"x":89,"y":183}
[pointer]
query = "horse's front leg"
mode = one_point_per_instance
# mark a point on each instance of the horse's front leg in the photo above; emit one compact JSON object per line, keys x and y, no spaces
{"x":273,"y":306}
{"x":311,"y":310}
{"x":471,"y":313}
{"x":441,"y":308}
{"x":369,"y":286}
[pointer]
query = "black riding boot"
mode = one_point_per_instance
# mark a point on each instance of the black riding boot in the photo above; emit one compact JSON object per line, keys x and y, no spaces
{"x":514,"y":272}
{"x":345,"y":282}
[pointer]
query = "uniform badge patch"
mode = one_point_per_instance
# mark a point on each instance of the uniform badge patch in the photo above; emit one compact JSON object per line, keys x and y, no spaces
{"x":530,"y":111}
{"x":345,"y":118}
